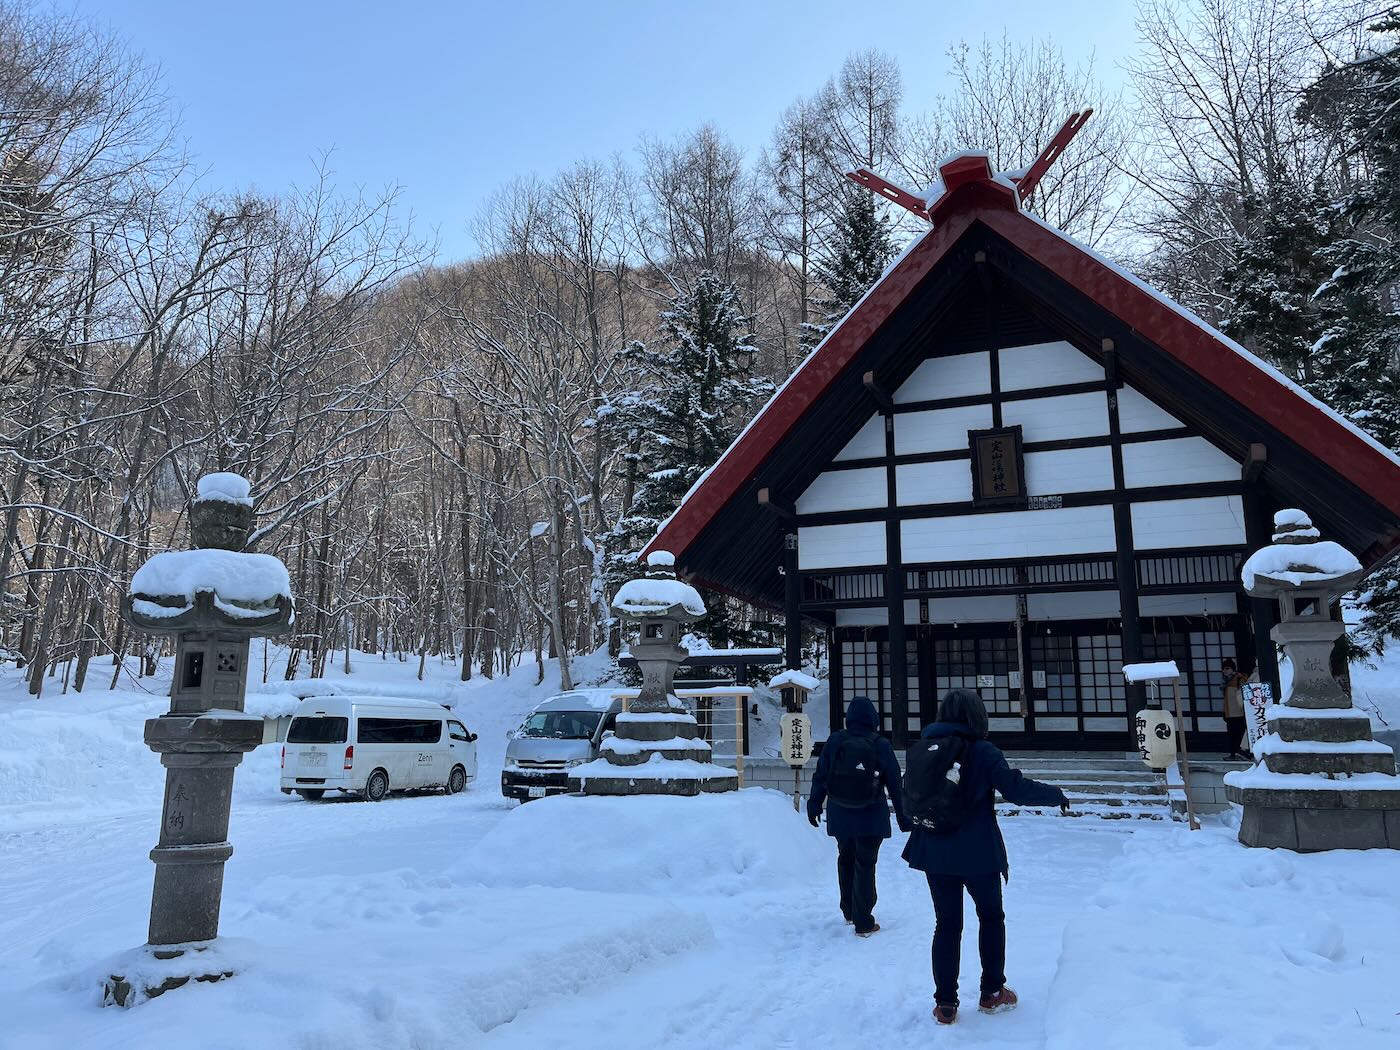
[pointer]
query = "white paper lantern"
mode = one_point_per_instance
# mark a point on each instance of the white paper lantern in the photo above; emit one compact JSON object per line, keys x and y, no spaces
{"x":1156,"y":737}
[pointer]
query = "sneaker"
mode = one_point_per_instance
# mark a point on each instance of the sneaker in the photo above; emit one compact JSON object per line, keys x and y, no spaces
{"x":945,"y":1014}
{"x":870,"y":932}
{"x":997,"y":1002}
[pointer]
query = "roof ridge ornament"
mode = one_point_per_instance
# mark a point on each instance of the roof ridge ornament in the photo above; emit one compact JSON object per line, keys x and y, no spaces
{"x":960,"y":168}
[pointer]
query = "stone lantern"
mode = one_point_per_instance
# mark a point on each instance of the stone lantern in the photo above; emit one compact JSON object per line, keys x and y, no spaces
{"x":656,"y":748}
{"x":1322,"y":782}
{"x":794,"y":688}
{"x":214,"y":599}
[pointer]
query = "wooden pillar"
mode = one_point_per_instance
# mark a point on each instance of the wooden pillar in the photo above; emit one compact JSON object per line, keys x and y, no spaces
{"x":792,"y":602}
{"x":836,"y":693}
{"x":1126,"y":561}
{"x":1258,"y":532}
{"x":894,"y":598}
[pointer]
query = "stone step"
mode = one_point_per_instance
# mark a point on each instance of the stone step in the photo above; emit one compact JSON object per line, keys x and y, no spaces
{"x":1101,"y":810}
{"x":1330,"y":762}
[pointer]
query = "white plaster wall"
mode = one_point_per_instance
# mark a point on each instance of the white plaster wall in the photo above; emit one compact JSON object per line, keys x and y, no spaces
{"x":984,"y":608}
{"x":1180,"y":461}
{"x":940,"y":430}
{"x":836,"y":546}
{"x":1009,"y":534}
{"x":1051,"y":418}
{"x":869,"y":441}
{"x":958,"y":376}
{"x":845,"y":490}
{"x":1047,"y":364}
{"x":1073,"y":605}
{"x":1212,"y":604}
{"x":1136,"y":414}
{"x":1069,"y":470}
{"x":1203,"y":521}
{"x":949,"y":482}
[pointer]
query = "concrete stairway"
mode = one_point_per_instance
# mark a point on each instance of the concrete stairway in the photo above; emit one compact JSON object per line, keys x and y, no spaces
{"x":1112,"y":786}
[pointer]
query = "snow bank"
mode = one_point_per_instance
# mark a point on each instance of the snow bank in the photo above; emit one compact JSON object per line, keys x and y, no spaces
{"x":225,"y":487}
{"x":233,"y":575}
{"x":1192,"y":940}
{"x":739,"y":841}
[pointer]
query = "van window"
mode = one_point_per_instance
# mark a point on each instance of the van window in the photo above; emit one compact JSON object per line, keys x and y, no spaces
{"x":398,"y":731}
{"x":564,"y":725}
{"x":318,"y":730}
{"x":458,"y":731}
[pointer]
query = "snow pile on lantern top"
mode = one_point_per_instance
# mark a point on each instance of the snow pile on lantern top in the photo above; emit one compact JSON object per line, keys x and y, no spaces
{"x":1151,"y":672}
{"x":234,"y":576}
{"x":797,"y":678}
{"x":225,"y":487}
{"x":654,"y":595}
{"x":1297,"y":557}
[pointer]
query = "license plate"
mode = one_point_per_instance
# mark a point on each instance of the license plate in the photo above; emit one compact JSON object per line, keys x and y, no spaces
{"x":536,"y":792}
{"x":313,"y":758}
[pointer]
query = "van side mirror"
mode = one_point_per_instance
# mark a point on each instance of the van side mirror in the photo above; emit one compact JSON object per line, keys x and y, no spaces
{"x":471,"y":737}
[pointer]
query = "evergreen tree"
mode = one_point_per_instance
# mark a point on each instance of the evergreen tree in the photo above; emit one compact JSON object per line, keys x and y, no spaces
{"x":858,"y":250}
{"x":1355,"y":361}
{"x":701,"y":391}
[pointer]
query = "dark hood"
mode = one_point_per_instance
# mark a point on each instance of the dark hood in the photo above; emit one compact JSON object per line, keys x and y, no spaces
{"x":861,"y":716}
{"x":942,"y":729}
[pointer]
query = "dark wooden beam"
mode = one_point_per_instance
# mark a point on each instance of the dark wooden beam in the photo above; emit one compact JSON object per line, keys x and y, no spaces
{"x":784,"y":510}
{"x":1254,"y":461}
{"x":878,"y":392}
{"x":792,"y":603}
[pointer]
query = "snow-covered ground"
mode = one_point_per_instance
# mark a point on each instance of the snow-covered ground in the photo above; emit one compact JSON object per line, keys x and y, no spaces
{"x":465,"y":921}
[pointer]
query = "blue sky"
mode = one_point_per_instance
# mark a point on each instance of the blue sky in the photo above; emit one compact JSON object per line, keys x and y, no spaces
{"x":449,"y":100}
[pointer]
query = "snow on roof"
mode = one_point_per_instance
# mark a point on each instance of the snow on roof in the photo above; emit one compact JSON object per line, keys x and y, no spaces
{"x":797,"y":678}
{"x":1299,"y":563}
{"x":226,"y":488}
{"x":234,"y":576}
{"x":1151,"y":672}
{"x":649,"y":597}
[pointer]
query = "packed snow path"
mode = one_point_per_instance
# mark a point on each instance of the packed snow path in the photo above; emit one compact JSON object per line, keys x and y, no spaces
{"x":441,"y":923}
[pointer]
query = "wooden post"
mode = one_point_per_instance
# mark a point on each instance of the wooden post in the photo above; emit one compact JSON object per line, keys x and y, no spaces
{"x":740,"y":704}
{"x":1185,"y":760}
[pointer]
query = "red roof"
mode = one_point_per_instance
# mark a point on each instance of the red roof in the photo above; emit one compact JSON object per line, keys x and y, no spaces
{"x":971,"y":194}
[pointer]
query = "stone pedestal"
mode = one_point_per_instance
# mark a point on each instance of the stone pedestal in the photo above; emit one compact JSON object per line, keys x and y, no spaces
{"x":1322,"y":782}
{"x":656,"y":748}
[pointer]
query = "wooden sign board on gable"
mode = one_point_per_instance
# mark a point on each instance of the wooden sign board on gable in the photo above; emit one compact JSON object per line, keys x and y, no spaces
{"x":998,"y":466}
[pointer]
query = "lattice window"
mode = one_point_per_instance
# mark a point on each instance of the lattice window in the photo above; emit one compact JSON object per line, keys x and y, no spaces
{"x":1101,"y":687}
{"x":1054,"y":655}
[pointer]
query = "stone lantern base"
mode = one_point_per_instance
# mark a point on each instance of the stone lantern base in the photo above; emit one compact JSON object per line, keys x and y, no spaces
{"x":654,"y":753}
{"x":150,"y":971}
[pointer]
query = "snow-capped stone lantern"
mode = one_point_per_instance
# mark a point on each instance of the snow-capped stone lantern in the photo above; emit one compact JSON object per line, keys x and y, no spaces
{"x":214,"y":599}
{"x":656,"y":748}
{"x":1322,"y":782}
{"x":794,"y":689}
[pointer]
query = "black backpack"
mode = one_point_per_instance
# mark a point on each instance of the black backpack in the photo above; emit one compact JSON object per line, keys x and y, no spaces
{"x":854,"y":781}
{"x":933,"y":801}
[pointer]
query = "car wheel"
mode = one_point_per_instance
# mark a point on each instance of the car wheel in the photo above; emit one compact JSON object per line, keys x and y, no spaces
{"x":457,"y":781}
{"x":377,"y":786}
{"x":311,"y":794}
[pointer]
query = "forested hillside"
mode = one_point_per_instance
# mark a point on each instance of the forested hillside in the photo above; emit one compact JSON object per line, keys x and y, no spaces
{"x":460,"y":456}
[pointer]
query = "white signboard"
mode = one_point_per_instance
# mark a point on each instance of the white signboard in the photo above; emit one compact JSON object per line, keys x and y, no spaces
{"x":1256,"y":696}
{"x":986,"y":681}
{"x":796,"y":738}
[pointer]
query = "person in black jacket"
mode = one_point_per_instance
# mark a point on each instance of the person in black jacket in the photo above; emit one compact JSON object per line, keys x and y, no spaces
{"x":858,"y":830}
{"x":972,"y":857}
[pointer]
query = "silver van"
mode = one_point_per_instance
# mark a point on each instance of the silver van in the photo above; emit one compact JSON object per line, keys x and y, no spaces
{"x":562,"y":732}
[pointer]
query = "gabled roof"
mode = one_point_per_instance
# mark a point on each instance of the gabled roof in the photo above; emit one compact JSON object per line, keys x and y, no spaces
{"x":973,"y":196}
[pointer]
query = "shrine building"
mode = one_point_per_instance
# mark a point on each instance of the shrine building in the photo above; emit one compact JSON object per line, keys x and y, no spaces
{"x":1015,"y":467}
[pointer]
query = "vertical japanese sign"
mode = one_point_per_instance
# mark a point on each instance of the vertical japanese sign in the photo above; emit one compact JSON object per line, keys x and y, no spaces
{"x":796,"y":731}
{"x":1257,"y":697}
{"x":996,"y":465}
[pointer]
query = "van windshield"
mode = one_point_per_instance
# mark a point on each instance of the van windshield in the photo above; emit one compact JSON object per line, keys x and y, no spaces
{"x":562,"y":725}
{"x":318,"y":730}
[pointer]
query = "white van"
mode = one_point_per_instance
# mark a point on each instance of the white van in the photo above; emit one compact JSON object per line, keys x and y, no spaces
{"x":373,"y":745}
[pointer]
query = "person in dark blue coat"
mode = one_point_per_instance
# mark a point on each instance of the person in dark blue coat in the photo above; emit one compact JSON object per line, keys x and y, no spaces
{"x":858,"y":829}
{"x":972,"y":857}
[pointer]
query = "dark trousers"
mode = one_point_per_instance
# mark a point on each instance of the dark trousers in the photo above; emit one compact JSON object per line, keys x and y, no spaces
{"x":947,"y":891}
{"x":856,"y":857}
{"x":1234,"y":730}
